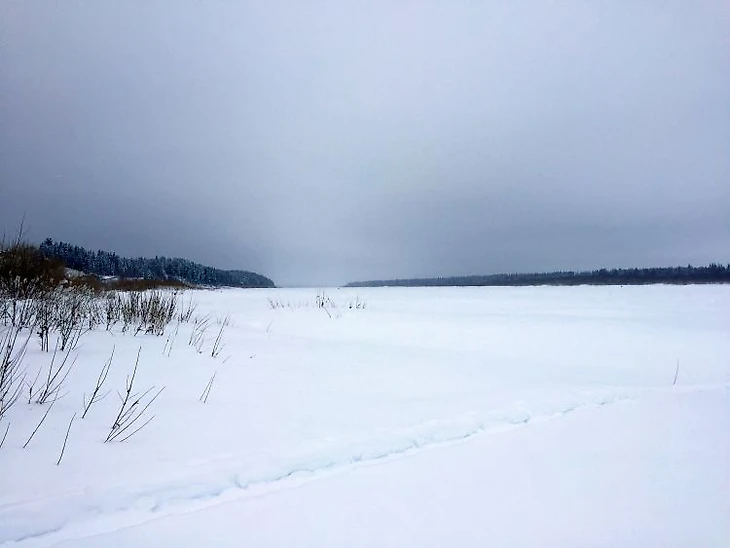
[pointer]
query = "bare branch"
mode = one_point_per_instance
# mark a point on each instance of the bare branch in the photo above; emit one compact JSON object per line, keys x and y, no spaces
{"x":12,"y":374}
{"x":132,"y":418}
{"x":65,"y":440}
{"x":53,"y":383}
{"x":138,"y":429}
{"x":4,"y":436}
{"x":95,"y":396}
{"x":131,"y":409}
{"x":206,"y":391}
{"x":25,"y":445}
{"x":217,"y":345}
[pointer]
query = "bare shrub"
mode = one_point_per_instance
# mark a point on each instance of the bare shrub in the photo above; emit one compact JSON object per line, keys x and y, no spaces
{"x":157,"y":309}
{"x":99,"y":285}
{"x":25,"y":272}
{"x":167,"y":350}
{"x":45,"y":319}
{"x":140,"y":284}
{"x":275,"y":302}
{"x":323,"y":302}
{"x":132,"y":409}
{"x":56,"y":376}
{"x":26,"y":276}
{"x":96,"y":395}
{"x":197,"y":335}
{"x":31,"y":386}
{"x":187,"y":309}
{"x":94,"y":314}
{"x":129,"y":309}
{"x":218,"y":344}
{"x":151,"y":311}
{"x":12,"y":373}
{"x":72,"y":321}
{"x":112,"y":309}
{"x":357,"y":304}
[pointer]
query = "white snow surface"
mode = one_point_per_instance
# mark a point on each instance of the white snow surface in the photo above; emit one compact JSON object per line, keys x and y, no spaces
{"x":432,"y":417}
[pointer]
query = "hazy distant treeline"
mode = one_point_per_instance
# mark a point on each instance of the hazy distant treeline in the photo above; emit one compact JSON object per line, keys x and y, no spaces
{"x":714,"y":273}
{"x":104,"y":263}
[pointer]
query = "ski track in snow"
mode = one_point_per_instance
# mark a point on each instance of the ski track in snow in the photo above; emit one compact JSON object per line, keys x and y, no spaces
{"x":27,"y":523}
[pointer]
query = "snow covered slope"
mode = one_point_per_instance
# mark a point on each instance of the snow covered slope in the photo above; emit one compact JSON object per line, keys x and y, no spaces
{"x":430,"y":417}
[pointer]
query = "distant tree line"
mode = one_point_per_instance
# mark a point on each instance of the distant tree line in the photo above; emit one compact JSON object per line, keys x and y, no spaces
{"x":104,"y":263}
{"x":713,"y":273}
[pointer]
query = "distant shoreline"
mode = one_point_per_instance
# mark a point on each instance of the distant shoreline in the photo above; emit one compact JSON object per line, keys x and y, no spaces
{"x":680,"y":275}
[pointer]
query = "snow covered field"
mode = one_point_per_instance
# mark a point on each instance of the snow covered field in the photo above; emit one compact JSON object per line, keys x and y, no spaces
{"x":430,"y":417}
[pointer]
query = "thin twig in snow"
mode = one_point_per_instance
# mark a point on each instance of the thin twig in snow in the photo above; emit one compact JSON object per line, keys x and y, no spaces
{"x":95,"y":397}
{"x":65,"y":440}
{"x":53,"y":384}
{"x":138,"y":429}
{"x":206,"y":391}
{"x":129,"y":411}
{"x":25,"y":445}
{"x":131,"y":418}
{"x":4,"y":436}
{"x":217,"y":346}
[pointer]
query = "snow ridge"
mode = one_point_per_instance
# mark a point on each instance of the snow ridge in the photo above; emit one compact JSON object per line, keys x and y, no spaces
{"x":75,"y":515}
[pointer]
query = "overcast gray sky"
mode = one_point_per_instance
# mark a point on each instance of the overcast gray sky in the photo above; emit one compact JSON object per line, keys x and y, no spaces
{"x":326,"y":142}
